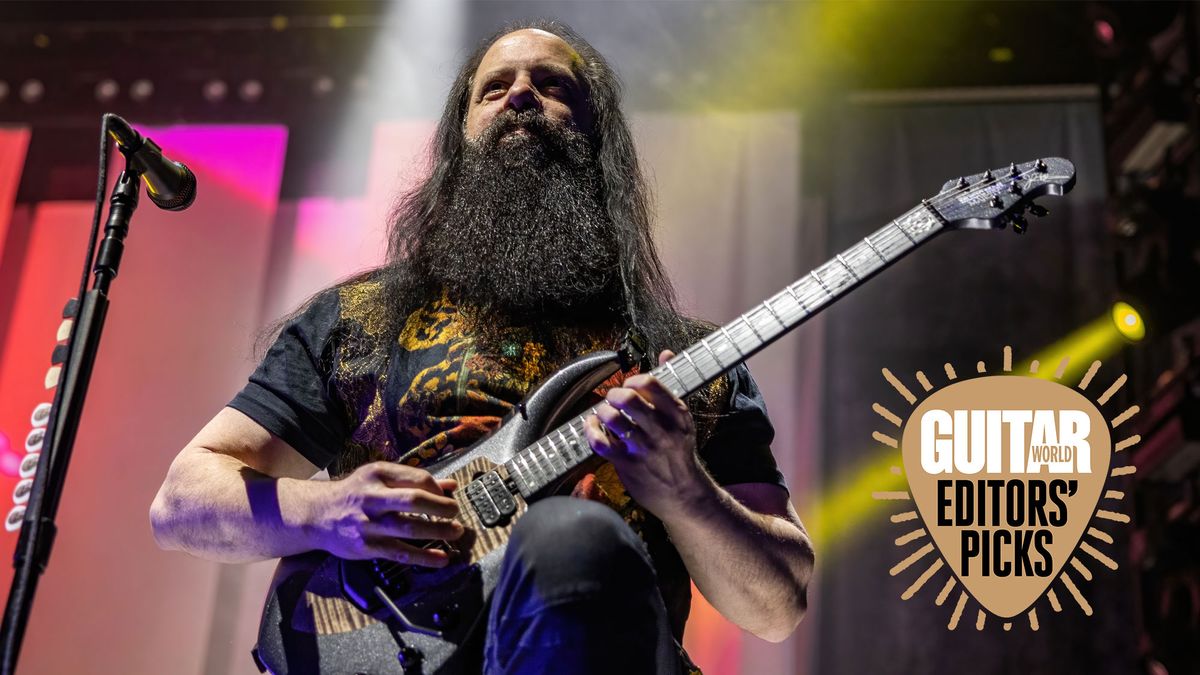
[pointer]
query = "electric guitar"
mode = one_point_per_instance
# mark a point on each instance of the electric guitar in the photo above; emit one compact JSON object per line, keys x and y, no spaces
{"x":328,"y":615}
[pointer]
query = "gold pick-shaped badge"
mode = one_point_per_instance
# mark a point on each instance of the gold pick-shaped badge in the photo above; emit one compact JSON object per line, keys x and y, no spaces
{"x":1007,"y":473}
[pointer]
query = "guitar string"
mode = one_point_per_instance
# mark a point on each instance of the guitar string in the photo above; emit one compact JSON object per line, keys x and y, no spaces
{"x":744,"y":324}
{"x":739,"y":328}
{"x":888,"y":235}
{"x":887,"y":238}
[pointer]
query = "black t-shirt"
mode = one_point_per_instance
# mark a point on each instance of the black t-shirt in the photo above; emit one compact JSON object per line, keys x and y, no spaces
{"x":341,"y":403}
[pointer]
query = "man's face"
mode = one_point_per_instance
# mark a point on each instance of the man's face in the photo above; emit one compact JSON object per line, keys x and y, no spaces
{"x":524,"y":233}
{"x":528,"y":69}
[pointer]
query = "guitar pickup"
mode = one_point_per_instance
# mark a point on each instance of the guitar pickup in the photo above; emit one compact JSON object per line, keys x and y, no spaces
{"x":491,"y":499}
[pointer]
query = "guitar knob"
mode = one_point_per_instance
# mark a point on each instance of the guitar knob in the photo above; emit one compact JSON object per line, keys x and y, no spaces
{"x":1019,"y":224}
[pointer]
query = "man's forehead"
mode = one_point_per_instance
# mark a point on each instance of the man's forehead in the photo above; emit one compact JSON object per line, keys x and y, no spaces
{"x":528,"y":47}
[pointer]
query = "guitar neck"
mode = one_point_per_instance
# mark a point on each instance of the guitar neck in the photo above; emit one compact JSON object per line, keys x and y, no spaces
{"x":564,"y":448}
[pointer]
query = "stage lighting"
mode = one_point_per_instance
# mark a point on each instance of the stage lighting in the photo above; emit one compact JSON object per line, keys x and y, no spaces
{"x":215,"y":90}
{"x":32,"y":91}
{"x":107,"y":90}
{"x":1128,"y":321}
{"x":1000,"y":54}
{"x":279,"y":22}
{"x":1118,"y":27}
{"x":141,"y":90}
{"x":1158,"y":260}
{"x":250,"y":91}
{"x":322,"y":86}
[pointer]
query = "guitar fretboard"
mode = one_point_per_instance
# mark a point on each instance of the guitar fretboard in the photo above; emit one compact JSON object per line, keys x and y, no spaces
{"x":564,"y":448}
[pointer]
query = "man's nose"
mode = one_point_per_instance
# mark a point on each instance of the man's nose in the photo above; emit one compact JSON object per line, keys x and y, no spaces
{"x":522,"y":96}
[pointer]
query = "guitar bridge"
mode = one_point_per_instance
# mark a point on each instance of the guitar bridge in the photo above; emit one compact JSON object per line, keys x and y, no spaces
{"x":491,"y":499}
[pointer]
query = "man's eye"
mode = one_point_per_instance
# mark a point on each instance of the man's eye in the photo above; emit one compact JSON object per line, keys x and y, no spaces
{"x":493,"y":86}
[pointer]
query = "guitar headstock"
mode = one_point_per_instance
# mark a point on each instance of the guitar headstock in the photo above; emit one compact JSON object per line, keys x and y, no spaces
{"x":996,"y":198}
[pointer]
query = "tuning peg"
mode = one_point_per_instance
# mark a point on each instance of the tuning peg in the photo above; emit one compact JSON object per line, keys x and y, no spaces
{"x":962,"y":182}
{"x":1038,"y":210}
{"x":1012,"y":169}
{"x":987,"y":175}
{"x":1019,"y":224}
{"x":1040,"y":166}
{"x":1015,"y":188}
{"x":996,"y":202}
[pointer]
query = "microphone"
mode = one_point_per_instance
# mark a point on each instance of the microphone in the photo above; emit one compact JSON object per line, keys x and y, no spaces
{"x":170,"y":184}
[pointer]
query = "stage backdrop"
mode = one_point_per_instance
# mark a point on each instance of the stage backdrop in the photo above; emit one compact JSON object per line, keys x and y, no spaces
{"x":196,"y":288}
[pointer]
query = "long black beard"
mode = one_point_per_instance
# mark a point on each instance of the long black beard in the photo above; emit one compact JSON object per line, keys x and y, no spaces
{"x":525,"y":238}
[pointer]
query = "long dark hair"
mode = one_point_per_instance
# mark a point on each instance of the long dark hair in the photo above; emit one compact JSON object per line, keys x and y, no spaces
{"x":648,"y":299}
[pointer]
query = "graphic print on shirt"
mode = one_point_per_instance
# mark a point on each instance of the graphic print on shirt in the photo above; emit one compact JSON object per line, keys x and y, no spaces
{"x":457,"y":392}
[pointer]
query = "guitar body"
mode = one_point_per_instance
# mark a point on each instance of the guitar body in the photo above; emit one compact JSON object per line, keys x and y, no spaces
{"x":328,"y":615}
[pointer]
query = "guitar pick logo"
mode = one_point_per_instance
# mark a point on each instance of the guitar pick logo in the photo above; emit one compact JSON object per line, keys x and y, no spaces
{"x":1007,"y":472}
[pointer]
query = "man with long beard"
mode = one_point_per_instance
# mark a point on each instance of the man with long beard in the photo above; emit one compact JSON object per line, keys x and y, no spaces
{"x":528,"y":244}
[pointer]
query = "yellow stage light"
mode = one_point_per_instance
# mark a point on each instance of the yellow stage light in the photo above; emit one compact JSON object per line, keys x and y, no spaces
{"x":1000,"y":54}
{"x":1128,"y":322}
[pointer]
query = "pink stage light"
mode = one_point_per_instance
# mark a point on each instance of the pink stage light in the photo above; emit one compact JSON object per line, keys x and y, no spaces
{"x":10,"y":461}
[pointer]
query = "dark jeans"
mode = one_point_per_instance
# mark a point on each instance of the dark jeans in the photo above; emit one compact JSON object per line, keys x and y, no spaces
{"x":577,"y":594}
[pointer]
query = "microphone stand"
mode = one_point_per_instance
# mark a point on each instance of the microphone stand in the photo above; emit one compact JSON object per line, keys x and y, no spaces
{"x":38,"y":529}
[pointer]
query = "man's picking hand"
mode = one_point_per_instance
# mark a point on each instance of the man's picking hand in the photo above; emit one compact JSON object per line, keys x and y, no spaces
{"x":369,"y":513}
{"x":649,"y":436}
